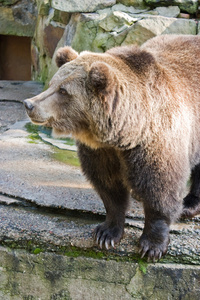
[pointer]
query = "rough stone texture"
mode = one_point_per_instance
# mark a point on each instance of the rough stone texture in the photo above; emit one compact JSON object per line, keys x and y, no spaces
{"x":8,"y":2}
{"x":99,"y":32}
{"x":119,"y":25}
{"x":43,"y":7}
{"x":43,"y":45}
{"x":116,"y":21}
{"x":153,"y":284}
{"x":18,"y":19}
{"x":51,"y":276}
{"x":126,"y":9}
{"x":52,"y":35}
{"x":152,"y":26}
{"x":81,"y":6}
{"x":171,"y":11}
{"x":185,"y":5}
{"x":91,"y":25}
{"x":134,"y":3}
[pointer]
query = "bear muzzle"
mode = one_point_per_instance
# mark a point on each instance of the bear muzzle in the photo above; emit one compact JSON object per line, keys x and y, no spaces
{"x":33,"y":112}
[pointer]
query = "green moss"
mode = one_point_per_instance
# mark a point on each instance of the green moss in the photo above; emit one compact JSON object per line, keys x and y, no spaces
{"x":70,"y":142}
{"x":35,"y":247}
{"x":76,"y":252}
{"x":66,"y":156}
{"x":37,"y":251}
{"x":31,"y":128}
{"x":33,"y":137}
{"x":142,"y":265}
{"x":43,"y":8}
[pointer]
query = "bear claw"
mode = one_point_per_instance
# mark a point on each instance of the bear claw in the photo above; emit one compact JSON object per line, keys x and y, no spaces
{"x":113,"y":243}
{"x":106,"y":236}
{"x":152,"y":255}
{"x":153,"y":251}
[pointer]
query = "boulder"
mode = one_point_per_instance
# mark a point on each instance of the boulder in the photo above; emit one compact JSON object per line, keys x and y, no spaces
{"x":81,"y":6}
{"x":99,"y":32}
{"x":44,"y":45}
{"x":52,"y":35}
{"x":152,"y":26}
{"x":134,"y":3}
{"x":35,"y":59}
{"x":102,"y":24}
{"x":82,"y":30}
{"x":116,"y":21}
{"x":171,"y":11}
{"x":184,"y":5}
{"x":129,"y":9}
{"x":18,"y":19}
{"x":8,"y":2}
{"x":43,"y":7}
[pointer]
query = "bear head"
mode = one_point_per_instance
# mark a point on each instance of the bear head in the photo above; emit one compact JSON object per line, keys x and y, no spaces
{"x":80,"y":98}
{"x":92,"y":96}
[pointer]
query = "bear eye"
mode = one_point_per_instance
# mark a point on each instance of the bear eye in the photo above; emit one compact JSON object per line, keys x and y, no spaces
{"x":63,"y":91}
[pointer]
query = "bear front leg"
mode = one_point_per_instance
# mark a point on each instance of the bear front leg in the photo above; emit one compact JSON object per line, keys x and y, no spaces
{"x":103,"y":169}
{"x":115,"y":200}
{"x":162,"y":206}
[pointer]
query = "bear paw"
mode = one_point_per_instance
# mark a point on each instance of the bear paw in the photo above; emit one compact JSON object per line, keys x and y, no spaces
{"x":190,"y":212}
{"x":191,"y":206}
{"x":151,"y":249}
{"x":107,"y":236}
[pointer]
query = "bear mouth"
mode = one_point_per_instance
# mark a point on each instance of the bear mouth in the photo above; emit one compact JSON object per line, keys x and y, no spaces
{"x":39,"y":122}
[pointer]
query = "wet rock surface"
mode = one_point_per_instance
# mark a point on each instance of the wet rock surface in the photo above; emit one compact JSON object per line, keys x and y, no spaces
{"x":19,"y":91}
{"x":7,"y":117}
{"x":48,"y":208}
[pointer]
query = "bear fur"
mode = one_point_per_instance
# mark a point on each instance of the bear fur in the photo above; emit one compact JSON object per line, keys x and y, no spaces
{"x":135,"y":113}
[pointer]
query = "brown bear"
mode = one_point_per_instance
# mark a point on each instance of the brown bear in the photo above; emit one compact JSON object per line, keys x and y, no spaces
{"x":135,"y":113}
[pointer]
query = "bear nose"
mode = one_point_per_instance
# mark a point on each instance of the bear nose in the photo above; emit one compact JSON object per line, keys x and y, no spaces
{"x":29,"y":105}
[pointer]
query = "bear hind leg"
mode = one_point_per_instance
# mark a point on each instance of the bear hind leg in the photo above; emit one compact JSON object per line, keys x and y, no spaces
{"x":191,"y":203}
{"x":154,"y":240}
{"x":160,"y":189}
{"x":103,"y":169}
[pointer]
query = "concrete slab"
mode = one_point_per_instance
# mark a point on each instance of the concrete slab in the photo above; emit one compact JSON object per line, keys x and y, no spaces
{"x":19,"y":90}
{"x":28,"y":170}
{"x":10,"y":113}
{"x":31,"y":227}
{"x":31,"y":172}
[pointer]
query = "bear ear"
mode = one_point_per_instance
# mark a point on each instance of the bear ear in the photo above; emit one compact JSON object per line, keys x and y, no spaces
{"x":64,"y":55}
{"x":101,"y":77}
{"x":103,"y":80}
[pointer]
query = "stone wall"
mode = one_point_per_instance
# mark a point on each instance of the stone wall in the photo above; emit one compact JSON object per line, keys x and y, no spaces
{"x":93,"y":25}
{"x":51,"y":276}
